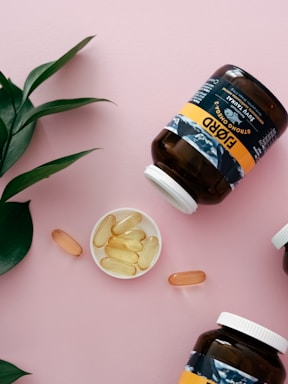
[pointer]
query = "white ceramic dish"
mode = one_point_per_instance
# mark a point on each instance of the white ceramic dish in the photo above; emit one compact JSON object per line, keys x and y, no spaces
{"x":147,"y":224}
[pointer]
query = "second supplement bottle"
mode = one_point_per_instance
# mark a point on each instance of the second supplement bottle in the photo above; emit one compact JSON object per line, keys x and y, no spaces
{"x":215,"y":139}
{"x":239,"y":351}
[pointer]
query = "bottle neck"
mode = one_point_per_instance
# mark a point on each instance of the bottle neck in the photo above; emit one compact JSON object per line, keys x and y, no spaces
{"x":259,"y":346}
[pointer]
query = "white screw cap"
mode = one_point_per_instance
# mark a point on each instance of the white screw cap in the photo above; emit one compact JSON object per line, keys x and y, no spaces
{"x":171,"y":190}
{"x":281,"y":237}
{"x":253,"y":330}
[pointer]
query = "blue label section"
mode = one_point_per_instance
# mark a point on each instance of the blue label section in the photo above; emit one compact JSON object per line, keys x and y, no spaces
{"x":208,"y":146}
{"x":230,"y":112}
{"x":218,"y":371}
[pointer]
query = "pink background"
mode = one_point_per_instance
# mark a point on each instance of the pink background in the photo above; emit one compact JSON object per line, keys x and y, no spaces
{"x":62,"y":318}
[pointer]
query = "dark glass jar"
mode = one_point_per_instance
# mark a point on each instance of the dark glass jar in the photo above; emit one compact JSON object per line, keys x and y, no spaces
{"x":281,"y":240}
{"x":215,"y":139}
{"x":240,"y":351}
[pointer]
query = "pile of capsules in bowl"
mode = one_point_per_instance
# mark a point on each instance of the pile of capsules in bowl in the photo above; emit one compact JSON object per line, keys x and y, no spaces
{"x":128,"y":250}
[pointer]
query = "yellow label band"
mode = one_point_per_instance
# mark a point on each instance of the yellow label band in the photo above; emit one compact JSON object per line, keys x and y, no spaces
{"x":221,"y":133}
{"x":191,"y":378}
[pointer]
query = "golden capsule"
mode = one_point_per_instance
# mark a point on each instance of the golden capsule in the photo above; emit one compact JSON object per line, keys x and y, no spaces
{"x":134,"y":234}
{"x":118,"y":266}
{"x":133,"y":245}
{"x":123,"y":243}
{"x":129,"y":222}
{"x":104,"y":231}
{"x":150,"y":249}
{"x":187,"y":278}
{"x":121,"y":254}
{"x":116,"y":242}
{"x":66,"y":242}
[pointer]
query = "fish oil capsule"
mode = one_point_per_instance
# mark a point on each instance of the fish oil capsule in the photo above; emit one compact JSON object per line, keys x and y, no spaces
{"x":187,"y":278}
{"x":134,"y":245}
{"x":104,"y":231}
{"x":118,"y":266}
{"x":218,"y":136}
{"x":120,"y":242}
{"x":239,"y":351}
{"x":116,"y":242}
{"x":150,"y":248}
{"x":122,"y":254}
{"x":66,"y":242}
{"x":134,"y":234}
{"x":127,"y":223}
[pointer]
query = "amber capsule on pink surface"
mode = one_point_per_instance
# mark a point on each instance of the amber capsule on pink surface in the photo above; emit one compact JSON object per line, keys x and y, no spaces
{"x":187,"y":278}
{"x":66,"y":242}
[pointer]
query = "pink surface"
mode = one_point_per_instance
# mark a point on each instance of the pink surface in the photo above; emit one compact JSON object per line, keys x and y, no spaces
{"x":61,"y":317}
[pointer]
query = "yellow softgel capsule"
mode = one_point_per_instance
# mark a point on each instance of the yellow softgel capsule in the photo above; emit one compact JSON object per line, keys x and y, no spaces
{"x":150,"y":247}
{"x":129,"y":222}
{"x":66,"y":242}
{"x":116,"y":242}
{"x":133,"y":245}
{"x":133,"y":234}
{"x":123,"y":243}
{"x":104,"y":231}
{"x":122,"y":254}
{"x":187,"y":278}
{"x":119,"y":267}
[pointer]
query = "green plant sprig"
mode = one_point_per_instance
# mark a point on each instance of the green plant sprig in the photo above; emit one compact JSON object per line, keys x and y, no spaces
{"x":18,"y":118}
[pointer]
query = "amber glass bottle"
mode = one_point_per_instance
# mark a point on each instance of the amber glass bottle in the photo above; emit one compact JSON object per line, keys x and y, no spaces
{"x":215,"y":139}
{"x":240,"y":351}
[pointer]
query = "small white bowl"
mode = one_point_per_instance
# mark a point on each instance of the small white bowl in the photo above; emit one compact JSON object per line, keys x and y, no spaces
{"x":147,"y":224}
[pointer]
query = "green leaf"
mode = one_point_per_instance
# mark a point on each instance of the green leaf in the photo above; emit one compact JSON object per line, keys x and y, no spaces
{"x":29,"y":178}
{"x":3,"y":136}
{"x":53,"y":107}
{"x":15,"y":145}
{"x":16,"y":230}
{"x":10,"y":373}
{"x":43,"y":72}
{"x":6,"y":85}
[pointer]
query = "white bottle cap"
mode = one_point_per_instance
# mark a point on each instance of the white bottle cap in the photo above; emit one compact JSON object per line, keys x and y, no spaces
{"x":281,"y":237}
{"x":171,"y":190}
{"x":253,"y":330}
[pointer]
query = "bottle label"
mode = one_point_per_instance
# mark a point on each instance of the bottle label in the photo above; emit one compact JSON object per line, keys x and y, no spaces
{"x":226,"y":127}
{"x":202,"y":369}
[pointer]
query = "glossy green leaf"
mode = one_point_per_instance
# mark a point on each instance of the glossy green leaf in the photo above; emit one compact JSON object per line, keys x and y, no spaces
{"x":15,"y":145}
{"x":10,"y":373}
{"x":16,"y":229}
{"x":29,"y":178}
{"x":43,"y":72}
{"x":6,"y":84}
{"x":53,"y":107}
{"x":3,"y":136}
{"x":18,"y":119}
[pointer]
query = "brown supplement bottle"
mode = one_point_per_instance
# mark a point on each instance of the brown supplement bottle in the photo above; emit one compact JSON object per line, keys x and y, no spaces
{"x":215,"y":139}
{"x":240,"y":351}
{"x":281,"y":240}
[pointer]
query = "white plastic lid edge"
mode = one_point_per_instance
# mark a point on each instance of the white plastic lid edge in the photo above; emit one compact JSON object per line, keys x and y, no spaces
{"x":171,"y":190}
{"x":281,"y":237}
{"x":254,"y":330}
